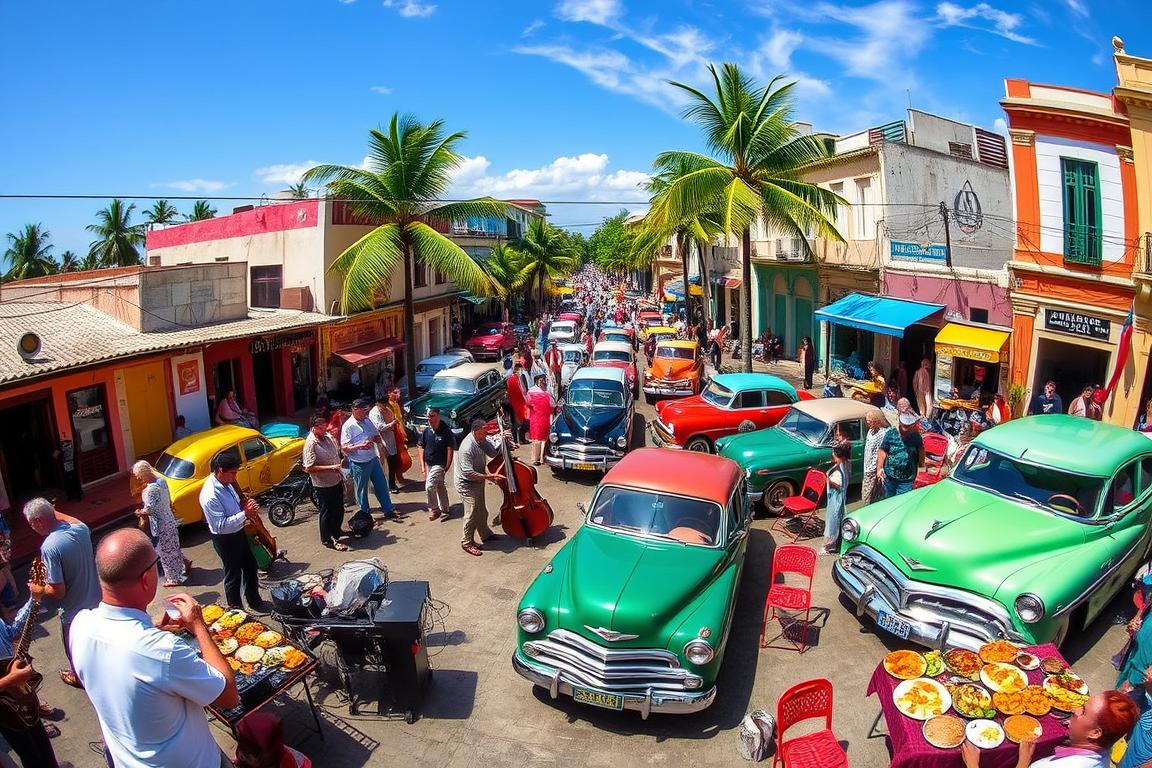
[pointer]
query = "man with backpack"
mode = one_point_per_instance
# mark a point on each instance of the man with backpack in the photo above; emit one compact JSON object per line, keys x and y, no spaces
{"x":901,"y":456}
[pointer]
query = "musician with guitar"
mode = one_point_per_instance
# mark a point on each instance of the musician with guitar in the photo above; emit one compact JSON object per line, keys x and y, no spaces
{"x":226,"y":515}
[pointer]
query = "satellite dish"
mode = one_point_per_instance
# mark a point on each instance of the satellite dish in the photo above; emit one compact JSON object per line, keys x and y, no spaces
{"x":28,"y":346}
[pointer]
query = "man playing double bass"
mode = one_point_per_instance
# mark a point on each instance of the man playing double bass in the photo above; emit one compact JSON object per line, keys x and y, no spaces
{"x":225,"y":516}
{"x":470,"y":473}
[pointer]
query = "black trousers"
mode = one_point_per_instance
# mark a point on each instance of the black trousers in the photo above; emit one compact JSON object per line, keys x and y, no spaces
{"x":239,"y":566}
{"x":330,"y":503}
{"x":32,"y":745}
{"x":392,"y":464}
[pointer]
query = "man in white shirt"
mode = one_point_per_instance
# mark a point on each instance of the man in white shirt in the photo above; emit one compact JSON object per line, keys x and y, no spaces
{"x":358,"y":440}
{"x":225,"y":516}
{"x":148,"y":685}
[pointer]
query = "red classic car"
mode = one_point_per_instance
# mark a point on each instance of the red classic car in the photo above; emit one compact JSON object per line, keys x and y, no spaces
{"x":575,"y":317}
{"x":731,"y":403}
{"x":617,"y":354}
{"x":617,"y":333}
{"x":492,"y":340}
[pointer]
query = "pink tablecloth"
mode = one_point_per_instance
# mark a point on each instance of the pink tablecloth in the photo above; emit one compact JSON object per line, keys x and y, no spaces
{"x":910,"y":750}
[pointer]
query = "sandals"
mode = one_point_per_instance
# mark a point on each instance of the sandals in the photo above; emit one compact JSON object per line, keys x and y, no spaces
{"x":433,"y":515}
{"x":50,"y":730}
{"x":336,"y":546}
{"x":471,"y":549}
{"x":68,"y":677}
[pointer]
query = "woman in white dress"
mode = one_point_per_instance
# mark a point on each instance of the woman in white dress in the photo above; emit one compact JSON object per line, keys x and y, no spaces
{"x":157,"y":511}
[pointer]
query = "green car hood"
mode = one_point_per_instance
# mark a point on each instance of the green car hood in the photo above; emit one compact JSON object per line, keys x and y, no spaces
{"x":632,"y":585}
{"x":1009,"y":536}
{"x":771,"y":447}
{"x":444,"y":401}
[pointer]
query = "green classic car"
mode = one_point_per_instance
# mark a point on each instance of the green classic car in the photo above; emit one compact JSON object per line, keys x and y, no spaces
{"x":634,"y":611}
{"x":1040,"y":523}
{"x":776,"y":459}
{"x":462,"y":394}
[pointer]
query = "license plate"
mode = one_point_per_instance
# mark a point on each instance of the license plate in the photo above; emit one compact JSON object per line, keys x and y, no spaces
{"x":583,"y":465}
{"x":598,"y":699}
{"x":896,"y":626}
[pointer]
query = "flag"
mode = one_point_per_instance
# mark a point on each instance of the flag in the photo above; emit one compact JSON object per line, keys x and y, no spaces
{"x":1123,"y":349}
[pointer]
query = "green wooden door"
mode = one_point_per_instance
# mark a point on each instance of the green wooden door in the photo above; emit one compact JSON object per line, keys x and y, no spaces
{"x":780,"y":320}
{"x":802,"y":322}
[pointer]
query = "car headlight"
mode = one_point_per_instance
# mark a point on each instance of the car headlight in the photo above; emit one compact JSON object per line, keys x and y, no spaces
{"x":452,"y":414}
{"x":622,"y":441}
{"x":553,"y":437}
{"x":530,"y":620}
{"x":698,"y":652}
{"x":1029,"y":608}
{"x":849,"y":530}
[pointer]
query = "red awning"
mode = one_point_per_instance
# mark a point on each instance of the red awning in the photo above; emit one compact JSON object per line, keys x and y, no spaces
{"x":371,"y":352}
{"x":731,"y":282}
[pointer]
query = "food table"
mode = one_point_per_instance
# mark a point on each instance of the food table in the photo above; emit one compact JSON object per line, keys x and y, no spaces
{"x":257,"y":690}
{"x":910,"y":749}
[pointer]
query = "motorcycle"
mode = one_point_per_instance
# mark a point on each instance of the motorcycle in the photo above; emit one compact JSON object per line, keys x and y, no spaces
{"x":282,"y":499}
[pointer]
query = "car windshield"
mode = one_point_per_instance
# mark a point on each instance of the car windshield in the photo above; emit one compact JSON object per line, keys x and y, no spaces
{"x":612,"y":356}
{"x":562,"y":328}
{"x":177,"y":469}
{"x":804,"y":426}
{"x":656,"y":515}
{"x":453,"y":384}
{"x":617,"y":336}
{"x":596,"y":395}
{"x":717,"y":394}
{"x":573,"y":356}
{"x":677,"y":353}
{"x":489,"y":330}
{"x":1049,"y":487}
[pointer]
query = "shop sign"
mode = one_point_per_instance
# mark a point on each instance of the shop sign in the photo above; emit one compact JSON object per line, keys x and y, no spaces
{"x":357,"y":332}
{"x":1077,"y":324}
{"x":280,"y":342}
{"x":904,"y":251}
{"x":969,"y":353}
{"x":188,"y":376}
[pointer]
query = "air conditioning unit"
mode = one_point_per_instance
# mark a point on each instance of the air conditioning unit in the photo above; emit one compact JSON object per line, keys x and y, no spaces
{"x":296,"y":298}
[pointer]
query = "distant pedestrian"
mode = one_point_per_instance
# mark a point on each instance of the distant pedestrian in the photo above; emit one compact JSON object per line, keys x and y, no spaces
{"x":1046,"y":402}
{"x":922,"y":387}
{"x":358,"y":440}
{"x":807,"y":359}
{"x":384,"y":420}
{"x":436,"y":444}
{"x":541,"y":406}
{"x":322,"y":461}
{"x":517,"y":402}
{"x":901,"y":456}
{"x":161,"y":523}
{"x":877,"y":426}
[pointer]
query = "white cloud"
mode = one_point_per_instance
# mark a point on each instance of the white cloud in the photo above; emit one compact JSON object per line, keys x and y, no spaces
{"x":194,"y":186}
{"x":383,"y":90}
{"x":778,"y":48}
{"x":1000,"y":125}
{"x":1077,"y":7}
{"x":532,"y":28}
{"x":411,"y":8}
{"x":584,"y":177}
{"x":873,"y":53}
{"x":283,"y":173}
{"x":1002,"y":23}
{"x":592,"y":11}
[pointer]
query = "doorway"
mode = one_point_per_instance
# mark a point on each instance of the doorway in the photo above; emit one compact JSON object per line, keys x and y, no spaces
{"x":27,"y":442}
{"x":919,"y":342}
{"x":302,"y":378}
{"x":434,"y":346}
{"x":265,"y":382}
{"x":91,"y":432}
{"x":148,"y":412}
{"x":1071,"y":366}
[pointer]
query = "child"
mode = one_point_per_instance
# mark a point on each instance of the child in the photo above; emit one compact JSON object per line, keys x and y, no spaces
{"x":838,"y":477}
{"x":260,"y":744}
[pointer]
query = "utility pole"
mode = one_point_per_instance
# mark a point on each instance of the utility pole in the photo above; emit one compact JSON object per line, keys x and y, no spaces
{"x":947,"y":235}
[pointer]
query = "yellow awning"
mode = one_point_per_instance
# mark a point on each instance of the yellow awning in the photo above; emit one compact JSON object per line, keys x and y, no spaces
{"x":563,"y":290}
{"x":972,"y":342}
{"x":695,"y":290}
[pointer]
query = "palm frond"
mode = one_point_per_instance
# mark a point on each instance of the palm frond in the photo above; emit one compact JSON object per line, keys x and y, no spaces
{"x":441,"y":254}
{"x":367,"y":267}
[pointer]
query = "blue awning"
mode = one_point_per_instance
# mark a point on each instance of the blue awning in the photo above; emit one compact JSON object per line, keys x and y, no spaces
{"x":879,"y":314}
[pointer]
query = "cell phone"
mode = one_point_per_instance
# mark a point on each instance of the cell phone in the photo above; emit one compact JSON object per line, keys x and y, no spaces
{"x":173,"y":612}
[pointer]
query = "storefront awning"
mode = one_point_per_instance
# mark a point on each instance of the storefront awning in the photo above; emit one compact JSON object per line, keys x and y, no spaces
{"x":971,"y":342}
{"x":472,"y":299}
{"x":371,"y":352}
{"x":727,"y":282}
{"x":879,"y":314}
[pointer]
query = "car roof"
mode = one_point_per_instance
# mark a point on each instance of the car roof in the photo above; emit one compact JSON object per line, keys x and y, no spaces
{"x":570,"y":347}
{"x":684,"y":343}
{"x":597,"y":373}
{"x":612,"y":346}
{"x":442,"y":359}
{"x":738,"y":382}
{"x":563,"y":322}
{"x":212,"y":440}
{"x":466,"y":371}
{"x":1058,"y":440}
{"x":834,"y":408}
{"x":686,"y":473}
{"x":660,"y":329}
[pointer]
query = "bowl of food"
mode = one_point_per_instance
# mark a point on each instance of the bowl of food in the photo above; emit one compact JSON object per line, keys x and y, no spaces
{"x":1028,"y":661}
{"x":1020,"y":728}
{"x":963,"y":662}
{"x":921,"y":698}
{"x":1003,"y":677}
{"x":971,"y":701}
{"x":1000,"y":651}
{"x":944,"y":731}
{"x":1052,"y":665}
{"x":905,"y":665}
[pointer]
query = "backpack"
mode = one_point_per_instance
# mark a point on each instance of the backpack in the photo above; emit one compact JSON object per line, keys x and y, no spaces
{"x":899,"y":464}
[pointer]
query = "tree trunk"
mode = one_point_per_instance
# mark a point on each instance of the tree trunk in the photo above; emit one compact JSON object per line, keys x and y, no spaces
{"x":682,"y":246}
{"x":705,"y":283}
{"x":746,"y":298}
{"x":409,"y":325}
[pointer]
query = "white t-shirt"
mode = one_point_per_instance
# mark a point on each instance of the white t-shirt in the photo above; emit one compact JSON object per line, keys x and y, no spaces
{"x":1072,"y":761}
{"x":149,"y":688}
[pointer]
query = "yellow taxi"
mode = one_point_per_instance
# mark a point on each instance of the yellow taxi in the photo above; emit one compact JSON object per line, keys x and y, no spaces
{"x":660,"y":332}
{"x":264,"y":462}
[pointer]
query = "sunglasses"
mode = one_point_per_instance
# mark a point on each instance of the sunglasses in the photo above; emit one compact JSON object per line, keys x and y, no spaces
{"x":151,"y":565}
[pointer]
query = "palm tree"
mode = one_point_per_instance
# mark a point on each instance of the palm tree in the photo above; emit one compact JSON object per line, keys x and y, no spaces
{"x":201,"y":210}
{"x":408,"y":168}
{"x":548,"y":253}
{"x":69,"y":261}
{"x":161,"y":212}
{"x":118,"y":240}
{"x":508,"y":271}
{"x":760,"y":154}
{"x":29,"y":253}
{"x":300,"y":191}
{"x":90,"y":261}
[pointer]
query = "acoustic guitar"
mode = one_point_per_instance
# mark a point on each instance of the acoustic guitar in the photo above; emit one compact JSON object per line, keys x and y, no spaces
{"x":19,"y":705}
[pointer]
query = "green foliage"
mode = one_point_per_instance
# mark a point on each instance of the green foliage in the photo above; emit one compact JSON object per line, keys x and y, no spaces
{"x":69,"y":261}
{"x":508,"y":270}
{"x":118,"y":240}
{"x":549,"y":253}
{"x":300,"y":191}
{"x":610,"y":246}
{"x":161,"y":212}
{"x":29,"y":253}
{"x":201,"y":210}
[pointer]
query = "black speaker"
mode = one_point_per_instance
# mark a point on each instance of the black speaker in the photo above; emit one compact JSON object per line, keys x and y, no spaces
{"x":400,"y":627}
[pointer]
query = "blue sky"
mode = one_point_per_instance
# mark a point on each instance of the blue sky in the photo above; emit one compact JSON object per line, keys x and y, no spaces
{"x":561,"y":99}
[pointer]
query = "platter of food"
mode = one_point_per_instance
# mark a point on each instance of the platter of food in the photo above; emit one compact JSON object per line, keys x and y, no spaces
{"x":1052,"y":665}
{"x":1003,"y":677}
{"x":935,"y":663}
{"x":944,"y":731}
{"x":231,"y":619}
{"x":1028,"y":661}
{"x":920,"y":698}
{"x":227,"y":645}
{"x":905,"y":665}
{"x":971,"y":700}
{"x":211,"y":613}
{"x":1066,"y":691}
{"x":294,"y":658}
{"x":1000,"y":651}
{"x":1020,"y":728}
{"x":249,"y":632}
{"x":268,"y":639}
{"x":986,"y":734}
{"x":249,"y":654}
{"x":963,"y":662}
{"x":1031,"y":700}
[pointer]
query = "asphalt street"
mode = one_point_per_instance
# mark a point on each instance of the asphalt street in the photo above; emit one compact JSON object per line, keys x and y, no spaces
{"x":479,"y":712}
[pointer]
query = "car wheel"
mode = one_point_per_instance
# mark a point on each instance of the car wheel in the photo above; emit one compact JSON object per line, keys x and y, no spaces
{"x":281,"y":513}
{"x":699,"y":444}
{"x":774,"y":495}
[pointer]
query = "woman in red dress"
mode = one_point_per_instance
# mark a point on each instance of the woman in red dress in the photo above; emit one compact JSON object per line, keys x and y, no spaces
{"x":541,"y":406}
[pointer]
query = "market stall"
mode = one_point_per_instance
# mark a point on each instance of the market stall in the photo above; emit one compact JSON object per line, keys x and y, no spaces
{"x":863,"y":328}
{"x":931,"y":703}
{"x":970,"y":357}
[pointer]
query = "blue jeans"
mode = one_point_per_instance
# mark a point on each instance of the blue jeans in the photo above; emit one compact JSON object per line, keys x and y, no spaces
{"x":896,"y":487}
{"x":367,"y":472}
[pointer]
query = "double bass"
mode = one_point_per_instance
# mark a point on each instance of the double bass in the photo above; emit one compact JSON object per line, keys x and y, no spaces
{"x":524,"y":513}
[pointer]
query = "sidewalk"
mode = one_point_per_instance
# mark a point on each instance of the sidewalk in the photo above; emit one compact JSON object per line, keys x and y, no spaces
{"x":789,"y":370}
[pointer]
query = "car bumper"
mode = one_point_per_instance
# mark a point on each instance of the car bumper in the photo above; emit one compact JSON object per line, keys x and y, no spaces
{"x":598,"y":463}
{"x":660,"y":439}
{"x":755,"y":496}
{"x":661,"y":702}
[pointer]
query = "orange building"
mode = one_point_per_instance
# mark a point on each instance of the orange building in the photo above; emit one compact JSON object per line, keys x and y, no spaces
{"x":1076,"y":243}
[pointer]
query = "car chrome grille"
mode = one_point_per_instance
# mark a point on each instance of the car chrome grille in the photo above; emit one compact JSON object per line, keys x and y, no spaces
{"x":584,"y":451}
{"x":616,"y":669}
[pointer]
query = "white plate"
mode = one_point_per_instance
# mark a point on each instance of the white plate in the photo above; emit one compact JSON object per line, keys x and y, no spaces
{"x":990,"y":685}
{"x":1035,"y":661}
{"x":974,"y":732}
{"x":1049,"y":680}
{"x":922,"y":714}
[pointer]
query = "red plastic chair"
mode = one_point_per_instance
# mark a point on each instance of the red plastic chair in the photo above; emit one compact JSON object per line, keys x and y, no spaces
{"x":802,"y":508}
{"x":797,"y":599}
{"x":935,"y":457}
{"x":821,"y":749}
